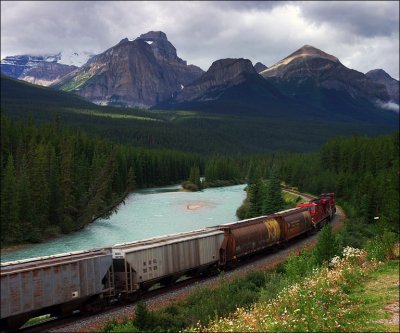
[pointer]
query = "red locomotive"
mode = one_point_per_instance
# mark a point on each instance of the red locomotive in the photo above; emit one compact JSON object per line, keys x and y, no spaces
{"x":321,"y":209}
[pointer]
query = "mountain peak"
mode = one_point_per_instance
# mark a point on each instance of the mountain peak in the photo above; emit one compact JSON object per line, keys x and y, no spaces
{"x":378,"y":74}
{"x":306,"y":54}
{"x":162,"y":48}
{"x":259,"y":67}
{"x":309,"y":51}
{"x":222,"y":75}
{"x":136,"y":72}
{"x":151,"y":35}
{"x":391,"y":84}
{"x":234,"y":66}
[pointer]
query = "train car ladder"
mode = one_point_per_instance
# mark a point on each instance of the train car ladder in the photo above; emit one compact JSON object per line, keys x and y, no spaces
{"x":111,"y":289}
{"x":128,"y":276}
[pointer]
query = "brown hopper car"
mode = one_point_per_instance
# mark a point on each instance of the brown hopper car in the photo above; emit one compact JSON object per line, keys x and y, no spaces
{"x":252,"y":235}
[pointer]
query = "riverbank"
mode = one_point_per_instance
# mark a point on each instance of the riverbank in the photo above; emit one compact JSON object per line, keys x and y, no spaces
{"x":10,"y":248}
{"x":5,"y":249}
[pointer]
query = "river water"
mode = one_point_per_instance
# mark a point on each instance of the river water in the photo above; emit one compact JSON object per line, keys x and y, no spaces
{"x":146,"y":213}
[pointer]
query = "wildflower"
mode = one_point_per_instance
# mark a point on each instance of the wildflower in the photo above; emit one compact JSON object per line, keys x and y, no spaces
{"x":335,"y":261}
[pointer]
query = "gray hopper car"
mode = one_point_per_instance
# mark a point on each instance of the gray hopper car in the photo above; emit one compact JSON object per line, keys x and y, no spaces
{"x":53,"y":284}
{"x":139,"y":265}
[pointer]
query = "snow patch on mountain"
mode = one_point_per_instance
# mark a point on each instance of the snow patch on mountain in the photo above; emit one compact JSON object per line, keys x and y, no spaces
{"x":75,"y":58}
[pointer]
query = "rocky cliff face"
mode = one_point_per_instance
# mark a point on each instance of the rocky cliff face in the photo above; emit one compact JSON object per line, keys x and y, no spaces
{"x":325,"y":71}
{"x":221,"y":75}
{"x":231,"y":86}
{"x":41,"y":70}
{"x":392,"y":85}
{"x":138,"y":73}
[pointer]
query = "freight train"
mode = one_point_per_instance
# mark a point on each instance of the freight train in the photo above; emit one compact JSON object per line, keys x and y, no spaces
{"x":89,"y":280}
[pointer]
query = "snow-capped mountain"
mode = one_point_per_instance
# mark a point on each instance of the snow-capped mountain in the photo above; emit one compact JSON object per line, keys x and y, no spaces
{"x":43,"y":69}
{"x":38,"y":69}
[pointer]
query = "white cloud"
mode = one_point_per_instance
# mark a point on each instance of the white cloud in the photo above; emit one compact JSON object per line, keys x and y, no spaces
{"x":388,"y":106}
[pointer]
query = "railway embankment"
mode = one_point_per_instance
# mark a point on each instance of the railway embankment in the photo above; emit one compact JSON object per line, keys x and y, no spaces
{"x":354,"y":294}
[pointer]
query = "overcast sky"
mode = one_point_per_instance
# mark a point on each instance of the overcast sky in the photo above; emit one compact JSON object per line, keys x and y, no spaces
{"x":364,"y":35}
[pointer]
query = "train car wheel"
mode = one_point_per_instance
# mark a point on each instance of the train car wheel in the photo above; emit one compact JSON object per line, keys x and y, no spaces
{"x":212,"y":270}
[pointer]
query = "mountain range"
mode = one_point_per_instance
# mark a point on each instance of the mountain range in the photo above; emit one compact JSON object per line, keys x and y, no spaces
{"x":191,"y":131}
{"x":42,"y":70}
{"x":146,"y":72}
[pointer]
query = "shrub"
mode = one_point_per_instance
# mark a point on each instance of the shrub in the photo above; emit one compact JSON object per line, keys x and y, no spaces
{"x":327,"y":245}
{"x":297,"y":267}
{"x":241,"y":212}
{"x":190,"y":186}
{"x":355,"y":233}
{"x":274,"y":283}
{"x":381,"y":246}
{"x":144,"y":319}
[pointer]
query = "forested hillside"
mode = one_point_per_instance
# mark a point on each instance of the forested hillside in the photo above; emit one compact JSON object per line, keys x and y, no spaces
{"x":363,"y":173}
{"x":56,"y":180}
{"x":198,"y":132}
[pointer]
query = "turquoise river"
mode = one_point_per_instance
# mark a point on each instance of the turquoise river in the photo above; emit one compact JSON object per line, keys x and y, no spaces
{"x":145,"y":214}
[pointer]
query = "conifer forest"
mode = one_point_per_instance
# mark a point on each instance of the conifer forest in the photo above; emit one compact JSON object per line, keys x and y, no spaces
{"x":57,"y":179}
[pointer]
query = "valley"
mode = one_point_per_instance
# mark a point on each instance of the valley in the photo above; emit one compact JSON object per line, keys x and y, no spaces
{"x":122,"y":122}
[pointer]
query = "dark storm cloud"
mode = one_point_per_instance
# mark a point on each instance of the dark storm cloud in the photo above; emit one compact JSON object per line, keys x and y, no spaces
{"x":364,"y":18}
{"x":249,"y":5}
{"x":51,"y":26}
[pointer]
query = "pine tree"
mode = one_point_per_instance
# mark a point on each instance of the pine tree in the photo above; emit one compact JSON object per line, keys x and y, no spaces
{"x":327,"y":245}
{"x":10,"y":226}
{"x":255,"y":195}
{"x":69,"y":210}
{"x":40,"y":193}
{"x":273,"y":201}
{"x":25,"y":203}
{"x":194,"y":176}
{"x":130,"y":181}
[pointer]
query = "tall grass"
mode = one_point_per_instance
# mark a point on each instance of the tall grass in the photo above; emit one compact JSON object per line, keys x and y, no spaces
{"x":319,"y":303}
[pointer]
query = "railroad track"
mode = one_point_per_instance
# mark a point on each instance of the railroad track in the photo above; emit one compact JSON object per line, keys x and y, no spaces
{"x":54,"y":323}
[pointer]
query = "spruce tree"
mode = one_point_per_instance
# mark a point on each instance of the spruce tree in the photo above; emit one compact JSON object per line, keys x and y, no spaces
{"x":273,"y":201}
{"x":194,"y":176}
{"x":255,"y":195}
{"x":10,"y":226}
{"x":327,"y":245}
{"x":40,"y":192}
{"x":69,"y":210}
{"x":25,"y":203}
